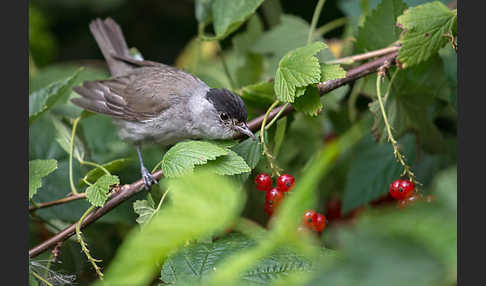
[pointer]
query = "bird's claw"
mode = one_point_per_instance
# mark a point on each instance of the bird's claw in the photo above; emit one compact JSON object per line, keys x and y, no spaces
{"x":148,"y":178}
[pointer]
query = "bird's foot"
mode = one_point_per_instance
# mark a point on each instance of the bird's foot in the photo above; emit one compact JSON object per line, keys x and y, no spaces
{"x":148,"y":178}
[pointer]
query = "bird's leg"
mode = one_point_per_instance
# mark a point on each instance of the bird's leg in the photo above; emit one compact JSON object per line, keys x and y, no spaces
{"x":147,"y":177}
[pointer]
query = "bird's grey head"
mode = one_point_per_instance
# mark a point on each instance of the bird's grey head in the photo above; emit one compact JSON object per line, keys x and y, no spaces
{"x":231,"y":110}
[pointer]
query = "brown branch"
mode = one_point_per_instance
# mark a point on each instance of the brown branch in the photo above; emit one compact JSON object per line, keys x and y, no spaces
{"x":127,"y":191}
{"x":364,"y":56}
{"x":325,"y":87}
{"x":57,"y":202}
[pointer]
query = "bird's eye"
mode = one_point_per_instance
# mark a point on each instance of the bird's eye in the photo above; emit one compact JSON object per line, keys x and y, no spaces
{"x":224,"y":116}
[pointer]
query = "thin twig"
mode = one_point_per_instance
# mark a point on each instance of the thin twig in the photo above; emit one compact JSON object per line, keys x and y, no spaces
{"x":57,"y":202}
{"x":356,"y":58}
{"x":128,"y":191}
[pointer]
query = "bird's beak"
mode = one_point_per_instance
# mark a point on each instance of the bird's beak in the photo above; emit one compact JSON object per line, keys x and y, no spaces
{"x":243,"y":128}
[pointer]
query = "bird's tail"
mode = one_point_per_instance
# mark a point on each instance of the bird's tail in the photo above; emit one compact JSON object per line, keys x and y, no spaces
{"x":110,"y":40}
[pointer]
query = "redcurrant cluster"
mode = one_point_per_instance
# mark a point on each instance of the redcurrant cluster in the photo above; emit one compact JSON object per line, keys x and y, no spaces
{"x":275,"y":195}
{"x":314,"y":221}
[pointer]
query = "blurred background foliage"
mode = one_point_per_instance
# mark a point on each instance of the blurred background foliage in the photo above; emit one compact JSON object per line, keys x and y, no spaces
{"x":414,"y":246}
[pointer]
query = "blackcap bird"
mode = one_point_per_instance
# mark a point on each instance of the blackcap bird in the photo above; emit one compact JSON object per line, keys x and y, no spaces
{"x":155,"y":103}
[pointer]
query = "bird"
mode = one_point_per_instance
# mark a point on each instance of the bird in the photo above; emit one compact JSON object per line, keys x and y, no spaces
{"x":154,"y":103}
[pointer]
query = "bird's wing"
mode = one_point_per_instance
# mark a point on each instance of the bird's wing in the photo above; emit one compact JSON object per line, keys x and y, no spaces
{"x":140,"y":94}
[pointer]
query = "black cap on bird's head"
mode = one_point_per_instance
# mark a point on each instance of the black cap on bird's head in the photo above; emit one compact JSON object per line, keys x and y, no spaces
{"x":231,"y":108}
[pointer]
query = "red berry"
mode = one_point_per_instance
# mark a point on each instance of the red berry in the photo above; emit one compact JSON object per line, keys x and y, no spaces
{"x":268,"y":208}
{"x":285,"y":182}
{"x":263,"y":182}
{"x":309,"y":218}
{"x":274,"y":197}
{"x":320,"y":223}
{"x":401,"y":189}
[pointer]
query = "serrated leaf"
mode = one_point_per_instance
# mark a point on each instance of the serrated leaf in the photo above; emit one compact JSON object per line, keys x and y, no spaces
{"x":229,"y":15}
{"x":251,"y":151}
{"x":112,"y":167}
{"x":44,"y":99}
{"x":214,"y":203}
{"x":97,"y":194}
{"x":310,"y":104}
{"x":181,"y":158}
{"x":331,"y":72}
{"x":145,"y":210}
{"x":374,"y":168}
{"x":425,"y":29}
{"x":230,"y":164}
{"x":379,"y":29}
{"x":297,"y":68}
{"x":194,"y":262}
{"x":37,"y":170}
{"x":63,"y":137}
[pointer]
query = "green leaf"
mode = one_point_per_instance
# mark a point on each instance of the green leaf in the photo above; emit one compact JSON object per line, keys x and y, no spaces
{"x":425,"y":27}
{"x":145,"y":210}
{"x":214,"y":203}
{"x":257,"y":97}
{"x":37,"y":170}
{"x":374,"y":168}
{"x":181,"y":158}
{"x":230,"y":164}
{"x":279,"y":135}
{"x":331,"y":72}
{"x":379,"y":29}
{"x":63,"y":137}
{"x":97,"y":194}
{"x":44,"y":99}
{"x":243,"y":41}
{"x":290,"y":34}
{"x":113,"y":166}
{"x":32,"y":279}
{"x":229,"y":15}
{"x":195,"y":262}
{"x":411,"y":102}
{"x":298,"y":68}
{"x":203,"y":10}
{"x":310,"y":103}
{"x":250,"y":150}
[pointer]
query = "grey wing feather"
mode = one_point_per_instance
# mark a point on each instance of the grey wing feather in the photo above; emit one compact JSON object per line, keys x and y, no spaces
{"x":141,"y":94}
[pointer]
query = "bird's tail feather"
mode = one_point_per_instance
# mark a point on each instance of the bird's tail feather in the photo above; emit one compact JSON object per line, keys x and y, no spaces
{"x":110,"y":40}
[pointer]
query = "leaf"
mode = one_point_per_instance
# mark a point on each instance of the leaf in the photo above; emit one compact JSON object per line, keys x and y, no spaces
{"x":181,"y":158}
{"x":279,"y":135}
{"x":214,"y":202}
{"x":257,"y":97}
{"x":203,"y":10}
{"x":310,"y":104}
{"x":409,"y":107}
{"x":230,"y":164}
{"x":331,"y":72}
{"x":112,"y":167}
{"x":145,"y":210}
{"x":379,"y":29}
{"x":250,"y":150}
{"x":243,"y":41}
{"x":290,"y":34}
{"x":425,"y":27}
{"x":195,"y":262}
{"x":229,"y":15}
{"x":44,"y":99}
{"x":37,"y":170}
{"x":63,"y":137}
{"x":298,"y":68}
{"x":374,"y":168}
{"x":444,"y":186}
{"x":97,"y":194}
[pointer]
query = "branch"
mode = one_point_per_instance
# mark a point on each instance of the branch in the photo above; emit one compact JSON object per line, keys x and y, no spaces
{"x":325,"y":87}
{"x":127,"y":191}
{"x":57,"y":202}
